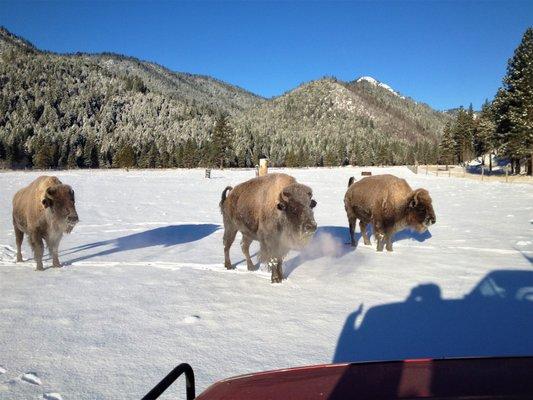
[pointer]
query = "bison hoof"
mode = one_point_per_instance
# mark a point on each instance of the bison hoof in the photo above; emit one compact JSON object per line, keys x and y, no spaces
{"x":19,"y":259}
{"x":276,"y":279}
{"x":229,"y":266}
{"x":251,"y":267}
{"x":57,"y":265}
{"x":368,"y":243}
{"x":353,"y":244}
{"x":39,"y":268}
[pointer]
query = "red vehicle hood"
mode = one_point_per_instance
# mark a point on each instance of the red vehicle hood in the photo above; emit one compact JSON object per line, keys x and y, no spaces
{"x":472,"y":378}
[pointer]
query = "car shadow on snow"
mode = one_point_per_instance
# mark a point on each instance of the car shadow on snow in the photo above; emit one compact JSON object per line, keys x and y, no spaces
{"x":165,"y":236}
{"x":334,"y":241}
{"x":494,"y":319}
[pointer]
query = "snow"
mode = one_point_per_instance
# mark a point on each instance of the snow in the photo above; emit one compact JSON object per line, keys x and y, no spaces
{"x":143,"y":287}
{"x":375,"y":82}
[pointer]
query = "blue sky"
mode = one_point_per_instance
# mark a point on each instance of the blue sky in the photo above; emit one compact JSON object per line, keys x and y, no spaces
{"x":443,"y":53}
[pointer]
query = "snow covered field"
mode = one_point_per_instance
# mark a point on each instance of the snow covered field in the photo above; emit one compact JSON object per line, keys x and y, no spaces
{"x":144,"y":287}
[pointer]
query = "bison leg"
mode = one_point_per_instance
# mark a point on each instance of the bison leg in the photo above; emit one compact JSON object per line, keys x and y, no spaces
{"x":381,"y":241}
{"x":364,"y":233}
{"x":36,"y":243}
{"x":245,"y":246}
{"x":275,"y":264}
{"x":19,"y":237}
{"x":229,"y":238}
{"x":54,"y":251}
{"x":388,"y":240}
{"x":352,"y":223}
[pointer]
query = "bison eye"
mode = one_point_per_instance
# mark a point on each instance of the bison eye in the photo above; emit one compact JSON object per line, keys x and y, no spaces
{"x":313,"y":204}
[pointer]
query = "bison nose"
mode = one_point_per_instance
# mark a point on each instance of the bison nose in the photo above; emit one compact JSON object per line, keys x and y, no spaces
{"x":73,"y":219}
{"x":432,"y":220}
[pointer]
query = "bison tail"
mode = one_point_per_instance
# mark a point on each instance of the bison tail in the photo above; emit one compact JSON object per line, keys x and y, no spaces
{"x":350,"y":181}
{"x":224,"y":195}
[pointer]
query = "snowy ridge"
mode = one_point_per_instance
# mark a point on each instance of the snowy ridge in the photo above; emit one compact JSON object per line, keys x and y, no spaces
{"x":375,"y":82}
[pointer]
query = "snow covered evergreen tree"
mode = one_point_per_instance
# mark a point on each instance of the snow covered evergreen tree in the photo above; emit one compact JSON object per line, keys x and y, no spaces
{"x":484,"y":139}
{"x":513,"y":106}
{"x":447,"y":145}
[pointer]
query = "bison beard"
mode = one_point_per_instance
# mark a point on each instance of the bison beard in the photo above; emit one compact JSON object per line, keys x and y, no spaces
{"x":274,"y":210}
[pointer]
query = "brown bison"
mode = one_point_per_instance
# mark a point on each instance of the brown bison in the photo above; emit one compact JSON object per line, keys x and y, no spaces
{"x":389,"y":204}
{"x":273,"y":209}
{"x":44,"y":210}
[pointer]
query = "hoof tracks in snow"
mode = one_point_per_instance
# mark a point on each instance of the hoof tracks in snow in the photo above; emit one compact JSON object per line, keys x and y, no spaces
{"x":52,"y":396}
{"x":191,"y":319}
{"x":30,"y":377}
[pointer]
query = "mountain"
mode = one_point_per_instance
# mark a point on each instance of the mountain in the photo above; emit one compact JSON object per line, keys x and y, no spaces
{"x":102,"y":110}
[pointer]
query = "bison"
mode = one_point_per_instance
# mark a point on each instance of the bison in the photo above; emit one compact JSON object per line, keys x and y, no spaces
{"x":273,"y":209}
{"x":389,"y":204}
{"x":44,"y":210}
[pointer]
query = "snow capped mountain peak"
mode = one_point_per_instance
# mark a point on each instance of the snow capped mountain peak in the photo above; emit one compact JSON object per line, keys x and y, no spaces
{"x":368,"y":79}
{"x":375,"y":82}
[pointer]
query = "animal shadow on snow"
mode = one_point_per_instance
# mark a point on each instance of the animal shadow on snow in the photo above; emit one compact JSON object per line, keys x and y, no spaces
{"x":163,"y":236}
{"x":494,"y":319}
{"x":334,"y":241}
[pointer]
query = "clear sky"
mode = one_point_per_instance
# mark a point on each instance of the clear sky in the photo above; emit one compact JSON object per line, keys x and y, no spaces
{"x":443,"y":53}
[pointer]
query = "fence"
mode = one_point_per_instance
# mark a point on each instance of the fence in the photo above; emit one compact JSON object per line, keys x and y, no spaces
{"x":458,"y":171}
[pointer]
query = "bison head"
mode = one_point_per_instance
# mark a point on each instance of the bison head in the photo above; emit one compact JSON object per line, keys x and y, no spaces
{"x":420,"y":210}
{"x":296,"y":205}
{"x":59,"y":200}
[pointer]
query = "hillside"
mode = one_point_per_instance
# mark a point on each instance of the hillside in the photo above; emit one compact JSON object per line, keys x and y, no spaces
{"x":103,"y":110}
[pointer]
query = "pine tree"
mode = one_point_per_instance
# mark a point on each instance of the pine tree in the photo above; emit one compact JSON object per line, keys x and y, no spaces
{"x":447,"y":145}
{"x":463,"y":132}
{"x":513,"y":105}
{"x":125,"y":157}
{"x":221,"y":142}
{"x":90,"y":154}
{"x":484,"y":140}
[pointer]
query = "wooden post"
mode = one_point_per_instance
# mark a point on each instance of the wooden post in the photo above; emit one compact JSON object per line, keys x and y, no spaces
{"x":263,"y":166}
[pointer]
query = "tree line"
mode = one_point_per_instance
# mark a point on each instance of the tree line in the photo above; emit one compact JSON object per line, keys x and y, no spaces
{"x":504,"y":126}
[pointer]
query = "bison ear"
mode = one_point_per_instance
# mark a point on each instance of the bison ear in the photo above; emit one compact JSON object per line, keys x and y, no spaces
{"x":48,"y":196}
{"x":313,"y":203}
{"x":51,"y":191}
{"x":414,"y":201}
{"x":283,"y":200}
